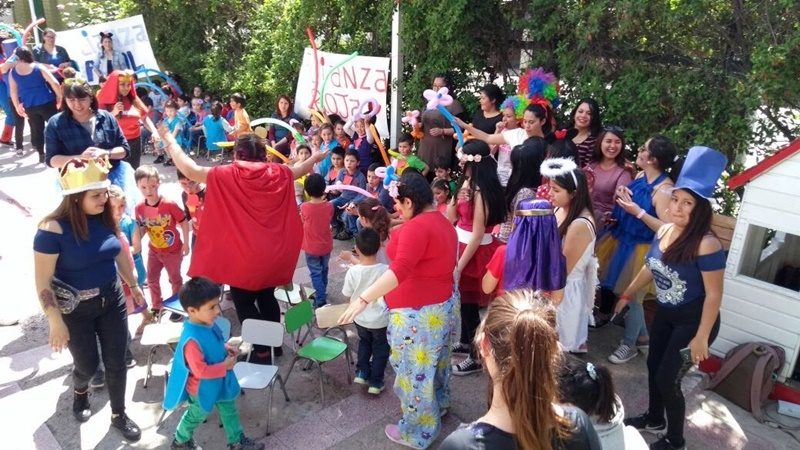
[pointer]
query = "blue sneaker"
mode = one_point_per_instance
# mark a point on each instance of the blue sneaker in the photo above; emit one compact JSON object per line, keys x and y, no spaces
{"x":361,"y":377}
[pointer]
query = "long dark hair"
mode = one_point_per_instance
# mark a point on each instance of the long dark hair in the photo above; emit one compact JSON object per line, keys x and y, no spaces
{"x":71,"y":209}
{"x":597,"y":154}
{"x":580,"y":197}
{"x":664,"y":152}
{"x":525,"y":162}
{"x":484,"y":179}
{"x":587,"y":386}
{"x":596,"y":124}
{"x":278,"y":110}
{"x":216,"y":110}
{"x":685,"y":247}
{"x":543,"y":114}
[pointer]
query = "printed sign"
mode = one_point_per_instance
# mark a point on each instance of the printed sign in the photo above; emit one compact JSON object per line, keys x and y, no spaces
{"x":130,"y":38}
{"x":362,"y":78}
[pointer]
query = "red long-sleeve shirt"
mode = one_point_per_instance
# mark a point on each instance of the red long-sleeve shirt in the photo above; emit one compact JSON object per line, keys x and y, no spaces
{"x":423,"y":256}
{"x":198,"y":368}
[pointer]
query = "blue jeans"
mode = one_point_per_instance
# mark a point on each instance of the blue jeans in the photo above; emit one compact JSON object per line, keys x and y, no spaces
{"x":338,"y":202}
{"x":351,"y":223}
{"x":634,"y":323}
{"x":318,"y":269}
{"x":372,"y":343}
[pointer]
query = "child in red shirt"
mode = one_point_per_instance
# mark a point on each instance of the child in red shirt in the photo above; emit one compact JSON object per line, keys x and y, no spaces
{"x":317,"y":241}
{"x":492,"y":282}
{"x":194,"y":199}
{"x":160,"y":218}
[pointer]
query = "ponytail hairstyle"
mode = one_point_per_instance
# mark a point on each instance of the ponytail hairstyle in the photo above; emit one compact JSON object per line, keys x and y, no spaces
{"x":665,"y":153}
{"x":587,"y":386}
{"x":519,"y":331}
{"x":525,"y":162}
{"x":572,"y":179}
{"x":561,"y":145}
{"x":216,"y":110}
{"x":544,"y":114}
{"x":685,"y":247}
{"x":478,"y":161}
{"x":377,"y":216}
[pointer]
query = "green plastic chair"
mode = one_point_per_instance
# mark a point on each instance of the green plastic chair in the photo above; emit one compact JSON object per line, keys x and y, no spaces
{"x":321,"y":349}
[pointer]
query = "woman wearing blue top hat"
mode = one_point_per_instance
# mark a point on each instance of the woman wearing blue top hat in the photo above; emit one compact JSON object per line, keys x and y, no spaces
{"x":686,"y":261}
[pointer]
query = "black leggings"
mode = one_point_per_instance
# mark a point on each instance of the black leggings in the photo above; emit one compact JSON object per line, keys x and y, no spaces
{"x":470,"y":320}
{"x":37,"y":118}
{"x":135,"y":155}
{"x":670,"y":332}
{"x":260,"y":305}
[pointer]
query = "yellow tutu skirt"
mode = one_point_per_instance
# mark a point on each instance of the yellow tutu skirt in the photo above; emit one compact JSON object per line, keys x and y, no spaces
{"x":605,"y":249}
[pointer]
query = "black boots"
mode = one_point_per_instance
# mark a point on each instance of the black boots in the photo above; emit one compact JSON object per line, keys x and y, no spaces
{"x":127,"y":427}
{"x":80,"y":406}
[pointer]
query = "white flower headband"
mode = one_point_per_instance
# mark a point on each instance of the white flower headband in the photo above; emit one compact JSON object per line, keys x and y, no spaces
{"x":556,"y":167}
{"x":467,"y":158}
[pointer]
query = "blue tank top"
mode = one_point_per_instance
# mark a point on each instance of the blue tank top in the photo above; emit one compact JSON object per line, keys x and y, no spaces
{"x":33,"y":89}
{"x":214,"y":132}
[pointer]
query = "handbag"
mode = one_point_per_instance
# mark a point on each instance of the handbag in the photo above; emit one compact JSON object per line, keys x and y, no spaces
{"x":747,"y":375}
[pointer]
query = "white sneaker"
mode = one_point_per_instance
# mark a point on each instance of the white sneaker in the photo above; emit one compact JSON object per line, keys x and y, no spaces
{"x":623,"y":354}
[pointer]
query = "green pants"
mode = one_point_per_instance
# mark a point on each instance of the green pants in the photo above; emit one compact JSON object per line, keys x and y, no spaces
{"x":195,"y":415}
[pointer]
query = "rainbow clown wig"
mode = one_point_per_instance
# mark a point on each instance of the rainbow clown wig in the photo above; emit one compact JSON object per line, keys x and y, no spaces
{"x":535,"y":87}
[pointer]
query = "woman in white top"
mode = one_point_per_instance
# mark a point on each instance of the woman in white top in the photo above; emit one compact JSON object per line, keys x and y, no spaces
{"x":535,"y":122}
{"x":569,"y":194}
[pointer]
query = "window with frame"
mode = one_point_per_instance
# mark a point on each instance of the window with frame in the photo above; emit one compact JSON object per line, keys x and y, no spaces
{"x":772,"y":256}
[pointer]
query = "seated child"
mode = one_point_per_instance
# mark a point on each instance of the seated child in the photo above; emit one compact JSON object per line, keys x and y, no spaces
{"x":373,"y":346}
{"x":408,"y":160}
{"x":202,"y":370}
{"x":443,"y":173}
{"x":216,"y":128}
{"x":353,"y":177}
{"x":371,"y":214}
{"x":590,"y":388}
{"x":341,"y":137}
{"x":363,"y":142}
{"x":316,"y":215}
{"x":175,"y":125}
{"x":336,"y":166}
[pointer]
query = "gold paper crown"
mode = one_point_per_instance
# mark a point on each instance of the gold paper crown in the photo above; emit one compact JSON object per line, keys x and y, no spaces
{"x":79,"y":175}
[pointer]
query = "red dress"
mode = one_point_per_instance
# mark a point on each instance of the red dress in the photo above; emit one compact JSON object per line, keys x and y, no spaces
{"x":251,"y":233}
{"x":469,"y":284}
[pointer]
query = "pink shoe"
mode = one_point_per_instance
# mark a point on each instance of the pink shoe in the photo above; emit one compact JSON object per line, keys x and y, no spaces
{"x":393,"y":433}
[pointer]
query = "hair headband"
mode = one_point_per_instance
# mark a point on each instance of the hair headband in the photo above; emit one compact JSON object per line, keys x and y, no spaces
{"x":557,"y":167}
{"x":467,"y":158}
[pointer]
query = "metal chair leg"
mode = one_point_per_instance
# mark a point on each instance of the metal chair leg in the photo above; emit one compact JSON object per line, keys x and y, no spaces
{"x":149,"y":365}
{"x":321,"y":385}
{"x":269,"y":404}
{"x":283,"y":388}
{"x":347,"y":366}
{"x":291,"y":366}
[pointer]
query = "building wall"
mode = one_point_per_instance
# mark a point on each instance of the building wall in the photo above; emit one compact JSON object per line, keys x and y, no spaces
{"x":754,"y":310}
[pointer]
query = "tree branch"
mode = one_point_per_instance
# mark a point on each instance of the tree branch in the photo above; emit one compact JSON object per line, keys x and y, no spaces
{"x":786,"y":131}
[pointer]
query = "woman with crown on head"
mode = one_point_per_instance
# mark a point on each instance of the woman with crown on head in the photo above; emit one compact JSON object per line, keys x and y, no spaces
{"x":83,"y":130}
{"x":77,"y":255}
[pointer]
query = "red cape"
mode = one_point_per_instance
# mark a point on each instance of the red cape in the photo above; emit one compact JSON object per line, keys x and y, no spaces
{"x":251,"y":231}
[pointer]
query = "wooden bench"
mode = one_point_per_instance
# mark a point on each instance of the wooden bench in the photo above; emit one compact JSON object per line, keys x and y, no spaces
{"x":723,"y":227}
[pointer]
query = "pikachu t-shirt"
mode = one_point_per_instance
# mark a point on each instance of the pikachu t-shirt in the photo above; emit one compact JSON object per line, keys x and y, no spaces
{"x":161,"y":223}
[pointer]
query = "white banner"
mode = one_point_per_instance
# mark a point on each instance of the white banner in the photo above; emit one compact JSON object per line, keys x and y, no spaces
{"x":362,"y":78}
{"x":130,"y":38}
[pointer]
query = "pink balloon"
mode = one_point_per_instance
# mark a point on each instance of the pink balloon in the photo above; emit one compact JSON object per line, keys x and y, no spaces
{"x":347,"y":187}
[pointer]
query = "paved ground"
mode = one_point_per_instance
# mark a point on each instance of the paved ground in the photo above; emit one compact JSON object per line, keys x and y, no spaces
{"x":35,"y":392}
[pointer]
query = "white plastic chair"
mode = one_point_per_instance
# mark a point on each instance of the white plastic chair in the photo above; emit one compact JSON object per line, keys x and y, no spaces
{"x":260,"y":376}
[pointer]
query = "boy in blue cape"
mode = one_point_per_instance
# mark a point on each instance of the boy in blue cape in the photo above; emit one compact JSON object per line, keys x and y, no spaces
{"x":202,"y":370}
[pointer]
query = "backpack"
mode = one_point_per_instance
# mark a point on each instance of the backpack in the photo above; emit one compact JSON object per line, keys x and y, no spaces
{"x":747,"y":375}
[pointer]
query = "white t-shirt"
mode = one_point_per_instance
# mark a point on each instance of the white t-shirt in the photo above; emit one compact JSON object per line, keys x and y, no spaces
{"x":358,"y":278}
{"x":515,"y":137}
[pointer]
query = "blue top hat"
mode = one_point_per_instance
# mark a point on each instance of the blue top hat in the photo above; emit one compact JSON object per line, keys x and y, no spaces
{"x":701,"y":170}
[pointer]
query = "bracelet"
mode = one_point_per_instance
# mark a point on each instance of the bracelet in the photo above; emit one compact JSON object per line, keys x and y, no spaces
{"x":641,"y":213}
{"x":360,"y":298}
{"x":624,"y":297}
